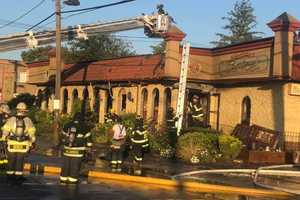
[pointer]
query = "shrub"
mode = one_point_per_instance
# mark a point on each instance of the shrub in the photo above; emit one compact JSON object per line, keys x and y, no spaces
{"x":128,"y":120}
{"x":199,"y":130}
{"x":230,"y":147}
{"x":64,"y":118}
{"x":197,"y":146}
{"x":76,"y":106}
{"x":91,"y":119}
{"x":43,"y":122}
{"x":159,"y":141}
{"x":100,"y":133}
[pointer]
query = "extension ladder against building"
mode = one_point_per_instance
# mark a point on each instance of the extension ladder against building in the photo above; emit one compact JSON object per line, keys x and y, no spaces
{"x":182,"y":86}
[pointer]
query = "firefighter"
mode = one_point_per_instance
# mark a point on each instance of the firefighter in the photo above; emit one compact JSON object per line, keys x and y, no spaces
{"x":196,"y":113}
{"x":139,"y":141}
{"x":171,"y":126}
{"x":4,"y":115}
{"x":76,"y":140}
{"x":118,"y":143}
{"x":19,"y":132}
{"x":108,"y":118}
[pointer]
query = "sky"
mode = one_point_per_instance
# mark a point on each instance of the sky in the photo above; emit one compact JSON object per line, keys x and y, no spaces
{"x":199,"y":19}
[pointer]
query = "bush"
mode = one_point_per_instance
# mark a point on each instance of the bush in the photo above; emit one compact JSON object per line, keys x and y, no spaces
{"x":199,"y":130}
{"x":100,"y":133}
{"x":197,"y":146}
{"x":76,"y":106}
{"x":230,"y":147}
{"x":159,"y":141}
{"x":43,"y":122}
{"x":128,"y":120}
{"x":27,"y":98}
{"x":65,"y":118}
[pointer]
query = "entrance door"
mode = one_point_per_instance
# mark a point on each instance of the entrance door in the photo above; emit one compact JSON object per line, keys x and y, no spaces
{"x":204,"y":102}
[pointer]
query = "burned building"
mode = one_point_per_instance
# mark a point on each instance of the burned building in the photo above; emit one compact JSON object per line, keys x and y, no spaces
{"x":254,"y":82}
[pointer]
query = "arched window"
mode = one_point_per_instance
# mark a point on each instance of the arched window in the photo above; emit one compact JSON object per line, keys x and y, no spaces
{"x":97,"y":100}
{"x":75,"y":94}
{"x":167,"y":101}
{"x":122,"y":100}
{"x":144,"y":103}
{"x":155,"y":100}
{"x":86,"y":101}
{"x":75,"y":100}
{"x":39,"y":98}
{"x":246,"y":111}
{"x":65,"y":101}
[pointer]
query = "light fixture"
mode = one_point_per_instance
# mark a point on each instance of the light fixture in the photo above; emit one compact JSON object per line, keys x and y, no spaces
{"x":72,"y":2}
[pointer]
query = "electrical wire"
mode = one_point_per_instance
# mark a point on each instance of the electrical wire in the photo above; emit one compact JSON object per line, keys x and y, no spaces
{"x":23,"y":15}
{"x":83,"y":10}
{"x":98,"y":7}
{"x":40,"y":22}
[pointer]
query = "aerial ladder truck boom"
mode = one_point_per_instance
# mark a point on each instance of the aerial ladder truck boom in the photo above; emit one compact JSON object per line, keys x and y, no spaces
{"x":154,"y":25}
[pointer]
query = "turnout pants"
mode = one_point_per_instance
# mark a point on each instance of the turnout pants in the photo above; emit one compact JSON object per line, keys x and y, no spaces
{"x":71,"y":169}
{"x":15,"y":163}
{"x":116,"y":156}
{"x":138,"y":152}
{"x":3,"y":154}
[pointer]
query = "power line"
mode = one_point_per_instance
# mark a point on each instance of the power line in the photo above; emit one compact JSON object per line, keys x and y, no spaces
{"x":40,"y":22}
{"x":83,"y":10}
{"x":98,"y":7}
{"x":23,"y":15}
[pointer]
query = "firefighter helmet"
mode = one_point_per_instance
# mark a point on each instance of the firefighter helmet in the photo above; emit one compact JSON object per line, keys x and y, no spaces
{"x":21,"y":106}
{"x":195,"y":97}
{"x":139,"y":121}
{"x":5,"y":108}
{"x":21,"y":109}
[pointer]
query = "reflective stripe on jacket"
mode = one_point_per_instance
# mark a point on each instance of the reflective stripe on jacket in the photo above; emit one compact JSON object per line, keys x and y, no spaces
{"x":74,"y":151}
{"x":139,"y":137}
{"x":14,"y":146}
{"x":10,"y":127}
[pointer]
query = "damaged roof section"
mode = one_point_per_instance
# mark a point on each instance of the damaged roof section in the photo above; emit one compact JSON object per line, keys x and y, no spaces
{"x":142,"y":67}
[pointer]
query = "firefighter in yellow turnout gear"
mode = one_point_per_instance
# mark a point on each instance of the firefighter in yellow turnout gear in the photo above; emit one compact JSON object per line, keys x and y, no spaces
{"x":4,"y":115}
{"x":19,"y":132}
{"x":76,"y":140}
{"x":196,"y":112}
{"x":139,"y":141}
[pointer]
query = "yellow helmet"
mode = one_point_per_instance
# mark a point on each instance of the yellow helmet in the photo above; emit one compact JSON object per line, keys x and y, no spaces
{"x":21,"y":106}
{"x":5,"y":108}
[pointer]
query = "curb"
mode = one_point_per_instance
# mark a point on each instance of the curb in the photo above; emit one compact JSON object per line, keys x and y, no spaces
{"x":187,"y":185}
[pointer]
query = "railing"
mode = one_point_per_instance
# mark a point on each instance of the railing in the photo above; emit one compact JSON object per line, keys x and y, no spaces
{"x":291,"y":141}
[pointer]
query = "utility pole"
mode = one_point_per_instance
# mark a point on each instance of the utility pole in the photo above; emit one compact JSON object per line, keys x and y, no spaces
{"x":56,"y":104}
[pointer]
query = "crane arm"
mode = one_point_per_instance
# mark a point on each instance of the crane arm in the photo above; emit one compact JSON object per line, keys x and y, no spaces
{"x":154,"y":25}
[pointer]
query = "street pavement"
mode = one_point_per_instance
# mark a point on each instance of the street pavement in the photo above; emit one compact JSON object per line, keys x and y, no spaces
{"x":39,"y":187}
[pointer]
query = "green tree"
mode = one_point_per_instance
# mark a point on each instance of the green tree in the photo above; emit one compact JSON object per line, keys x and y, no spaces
{"x":159,"y":48}
{"x":97,"y":48}
{"x":36,"y":54}
{"x":241,"y":22}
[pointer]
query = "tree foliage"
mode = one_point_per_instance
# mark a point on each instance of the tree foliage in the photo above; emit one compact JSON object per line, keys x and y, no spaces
{"x":36,"y":54}
{"x":241,"y":22}
{"x":159,"y":48}
{"x":95,"y":48}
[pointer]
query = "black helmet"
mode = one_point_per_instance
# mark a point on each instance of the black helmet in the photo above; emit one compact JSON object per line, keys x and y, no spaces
{"x":116,"y":118}
{"x":139,"y":121}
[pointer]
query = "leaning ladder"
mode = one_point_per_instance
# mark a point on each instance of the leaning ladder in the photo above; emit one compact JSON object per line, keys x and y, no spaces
{"x":182,"y":86}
